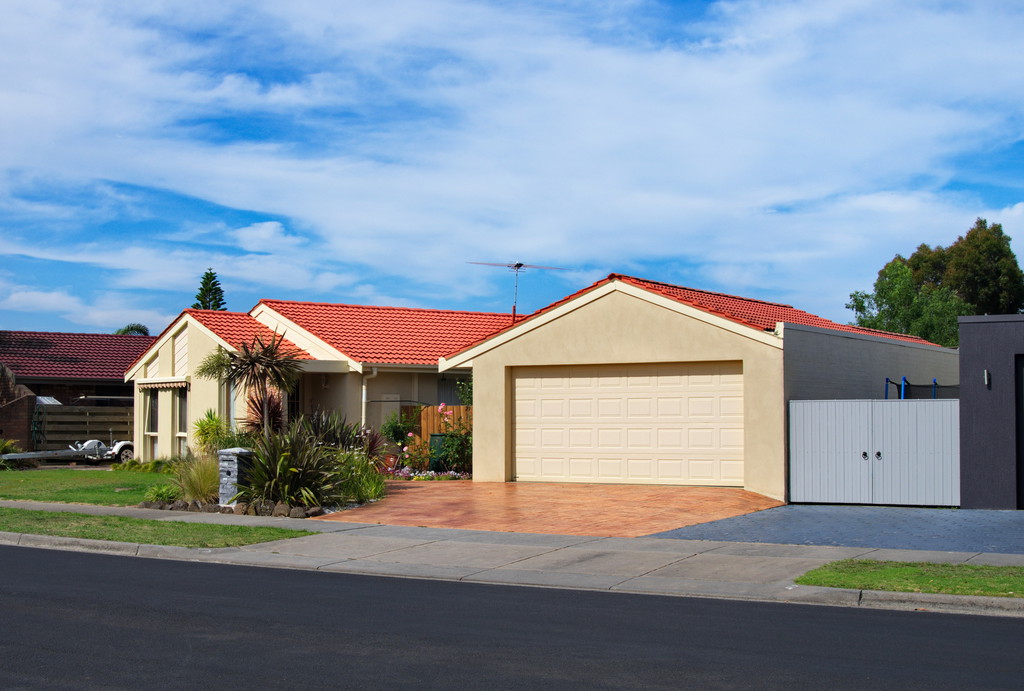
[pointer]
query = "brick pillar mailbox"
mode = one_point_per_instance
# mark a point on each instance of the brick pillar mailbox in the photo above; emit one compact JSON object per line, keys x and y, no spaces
{"x":234,"y":468}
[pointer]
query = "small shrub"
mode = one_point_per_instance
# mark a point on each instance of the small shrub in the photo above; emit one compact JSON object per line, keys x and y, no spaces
{"x":410,"y":474}
{"x":361,"y":481}
{"x":416,"y":454}
{"x":464,"y":390}
{"x":399,"y":425}
{"x":166,"y":493}
{"x":212,"y":433}
{"x":160,"y":465}
{"x":8,"y":446}
{"x":294,"y":467}
{"x":456,"y":451}
{"x":208,"y":432}
{"x":197,"y":478}
{"x":332,"y":429}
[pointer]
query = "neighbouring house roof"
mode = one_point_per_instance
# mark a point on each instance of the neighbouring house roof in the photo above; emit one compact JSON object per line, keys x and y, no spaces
{"x":756,"y":314}
{"x":237,"y":328}
{"x":51,"y":355}
{"x":390,"y":335}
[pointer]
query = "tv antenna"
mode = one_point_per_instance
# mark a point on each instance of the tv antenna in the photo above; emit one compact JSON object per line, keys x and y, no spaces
{"x":516,"y":267}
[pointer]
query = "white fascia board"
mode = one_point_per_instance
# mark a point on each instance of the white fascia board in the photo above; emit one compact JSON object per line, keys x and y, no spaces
{"x":465,"y":358}
{"x":177,"y":326}
{"x":781,"y":327}
{"x":304,"y":339}
{"x":404,"y":369}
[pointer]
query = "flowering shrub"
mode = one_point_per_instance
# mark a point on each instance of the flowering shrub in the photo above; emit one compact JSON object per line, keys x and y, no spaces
{"x":408,"y":473}
{"x":457,"y":448}
{"x":416,"y":453}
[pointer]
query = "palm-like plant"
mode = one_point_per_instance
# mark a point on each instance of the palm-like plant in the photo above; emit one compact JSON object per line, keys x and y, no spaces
{"x":258,"y":367}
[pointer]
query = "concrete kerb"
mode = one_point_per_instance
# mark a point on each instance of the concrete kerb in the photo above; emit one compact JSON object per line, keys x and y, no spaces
{"x":690,"y":568}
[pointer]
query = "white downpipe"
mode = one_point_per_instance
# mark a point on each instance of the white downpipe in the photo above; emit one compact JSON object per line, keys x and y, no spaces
{"x":362,"y":413}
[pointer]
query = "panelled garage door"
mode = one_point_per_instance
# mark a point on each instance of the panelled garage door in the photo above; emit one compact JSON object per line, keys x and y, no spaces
{"x":679,"y":423}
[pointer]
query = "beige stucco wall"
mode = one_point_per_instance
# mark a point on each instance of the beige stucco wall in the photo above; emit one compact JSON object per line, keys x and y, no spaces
{"x":203,"y":394}
{"x":830,"y":365}
{"x":620,"y":328}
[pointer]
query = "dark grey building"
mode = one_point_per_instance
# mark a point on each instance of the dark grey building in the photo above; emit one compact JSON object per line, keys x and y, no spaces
{"x":992,"y":412}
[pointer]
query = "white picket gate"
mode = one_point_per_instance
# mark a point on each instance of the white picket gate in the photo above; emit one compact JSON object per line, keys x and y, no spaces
{"x":902,"y":452}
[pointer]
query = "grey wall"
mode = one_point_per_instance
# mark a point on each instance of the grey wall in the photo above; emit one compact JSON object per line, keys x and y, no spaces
{"x":990,"y":474}
{"x":822,"y":364}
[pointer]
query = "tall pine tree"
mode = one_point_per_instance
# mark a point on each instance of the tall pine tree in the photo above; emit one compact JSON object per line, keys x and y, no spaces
{"x":210,"y":295}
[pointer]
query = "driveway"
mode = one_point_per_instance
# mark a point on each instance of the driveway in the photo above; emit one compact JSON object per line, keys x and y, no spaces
{"x":553,"y":508}
{"x":946,"y":530}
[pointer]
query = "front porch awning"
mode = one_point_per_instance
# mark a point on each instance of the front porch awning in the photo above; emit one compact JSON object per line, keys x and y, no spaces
{"x":163,"y":383}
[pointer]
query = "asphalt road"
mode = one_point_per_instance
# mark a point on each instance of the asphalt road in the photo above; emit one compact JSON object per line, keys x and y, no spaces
{"x":77,"y":620}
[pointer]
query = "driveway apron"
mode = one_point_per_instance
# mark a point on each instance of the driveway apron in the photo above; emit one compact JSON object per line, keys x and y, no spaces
{"x":901,"y":528}
{"x":553,"y":508}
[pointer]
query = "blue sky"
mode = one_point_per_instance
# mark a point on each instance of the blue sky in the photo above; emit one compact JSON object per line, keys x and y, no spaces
{"x":365,"y":152}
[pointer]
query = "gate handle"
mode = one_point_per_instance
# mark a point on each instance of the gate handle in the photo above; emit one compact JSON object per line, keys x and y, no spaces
{"x":864,"y":455}
{"x":878,"y":455}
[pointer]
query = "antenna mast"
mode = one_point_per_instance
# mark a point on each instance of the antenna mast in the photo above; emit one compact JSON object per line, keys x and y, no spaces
{"x":516,"y":267}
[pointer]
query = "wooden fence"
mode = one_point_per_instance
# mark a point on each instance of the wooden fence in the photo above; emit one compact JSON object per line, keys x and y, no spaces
{"x":432,"y":420}
{"x":60,"y":426}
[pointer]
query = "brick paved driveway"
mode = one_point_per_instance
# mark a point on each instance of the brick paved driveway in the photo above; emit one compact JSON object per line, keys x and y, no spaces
{"x":947,"y":530}
{"x":554,"y":508}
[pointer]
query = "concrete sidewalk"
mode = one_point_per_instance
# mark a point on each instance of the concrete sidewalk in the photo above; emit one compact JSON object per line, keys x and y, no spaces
{"x":698,"y":568}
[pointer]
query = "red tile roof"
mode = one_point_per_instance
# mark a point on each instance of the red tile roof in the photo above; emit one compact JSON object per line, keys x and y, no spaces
{"x":238,"y":327}
{"x":391,"y":335}
{"x":48,"y":355}
{"x":757,"y":314}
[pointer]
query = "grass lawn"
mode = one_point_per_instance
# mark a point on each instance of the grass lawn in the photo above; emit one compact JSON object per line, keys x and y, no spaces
{"x":122,"y":529}
{"x":106,"y":487}
{"x":915,"y":577}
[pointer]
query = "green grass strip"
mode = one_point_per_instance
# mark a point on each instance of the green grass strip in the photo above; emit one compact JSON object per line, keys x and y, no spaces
{"x":104,"y":487}
{"x":917,"y":577}
{"x":138,"y":530}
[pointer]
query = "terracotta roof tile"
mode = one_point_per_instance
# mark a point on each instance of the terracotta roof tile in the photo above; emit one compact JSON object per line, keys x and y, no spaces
{"x":756,"y":314}
{"x":50,"y":355}
{"x":238,"y":327}
{"x":391,"y":335}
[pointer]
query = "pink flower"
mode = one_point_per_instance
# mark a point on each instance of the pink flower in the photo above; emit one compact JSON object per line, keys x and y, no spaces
{"x":410,"y":434}
{"x":440,"y":408}
{"x":405,"y":449}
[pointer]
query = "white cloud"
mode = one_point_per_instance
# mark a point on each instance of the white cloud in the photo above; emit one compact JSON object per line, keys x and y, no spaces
{"x":783,"y":149}
{"x":108,"y":312}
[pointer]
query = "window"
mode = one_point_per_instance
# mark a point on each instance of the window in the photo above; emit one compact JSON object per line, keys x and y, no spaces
{"x":181,"y":421}
{"x":295,"y":402}
{"x":227,"y":404}
{"x":152,"y":423}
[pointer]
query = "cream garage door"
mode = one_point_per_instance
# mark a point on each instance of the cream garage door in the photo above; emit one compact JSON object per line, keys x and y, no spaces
{"x":679,"y":423}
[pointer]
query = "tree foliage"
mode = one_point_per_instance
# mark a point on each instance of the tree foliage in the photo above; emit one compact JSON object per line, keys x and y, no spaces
{"x":899,"y":305}
{"x":980,"y":267}
{"x":258,"y":367}
{"x":133,"y":329}
{"x":925,"y":293}
{"x":210,"y":295}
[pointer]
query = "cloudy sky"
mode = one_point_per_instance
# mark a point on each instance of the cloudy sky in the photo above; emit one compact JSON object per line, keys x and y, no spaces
{"x":362,"y":152}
